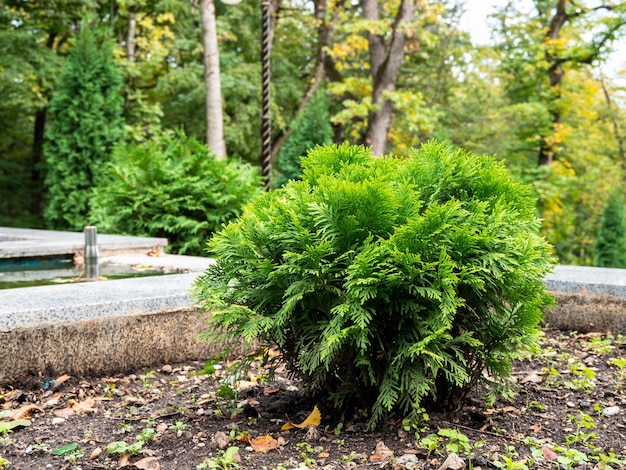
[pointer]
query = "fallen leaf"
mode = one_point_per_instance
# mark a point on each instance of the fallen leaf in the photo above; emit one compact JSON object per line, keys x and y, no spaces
{"x":264,"y":444}
{"x":382,"y":453}
{"x":269,"y":390}
{"x":66,"y":449}
{"x":124,"y":461}
{"x":16,"y":423}
{"x":95,"y":453}
{"x":533,"y":377}
{"x":148,"y":463}
{"x":64,"y":412}
{"x":25,"y":411}
{"x":86,"y":406}
{"x":510,"y":409}
{"x":453,"y":462}
{"x":535,"y":428}
{"x":314,"y":419}
{"x":242,"y":437}
{"x":161,"y":428}
{"x":549,"y":453}
{"x":63,"y":378}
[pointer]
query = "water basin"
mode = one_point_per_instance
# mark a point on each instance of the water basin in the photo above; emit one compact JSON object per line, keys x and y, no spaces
{"x":29,"y":272}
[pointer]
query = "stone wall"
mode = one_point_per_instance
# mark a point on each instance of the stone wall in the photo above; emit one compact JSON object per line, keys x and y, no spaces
{"x":106,"y":345}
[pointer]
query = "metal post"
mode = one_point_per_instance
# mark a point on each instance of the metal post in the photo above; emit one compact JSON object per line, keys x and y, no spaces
{"x":266,"y":122}
{"x":91,"y":253}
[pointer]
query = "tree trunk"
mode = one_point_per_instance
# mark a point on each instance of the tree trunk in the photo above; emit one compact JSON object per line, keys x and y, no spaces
{"x":214,"y":118}
{"x":385,"y":61}
{"x":548,"y":149}
{"x":616,"y":130}
{"x":36,"y":178}
{"x":130,"y":36}
{"x":37,"y":158}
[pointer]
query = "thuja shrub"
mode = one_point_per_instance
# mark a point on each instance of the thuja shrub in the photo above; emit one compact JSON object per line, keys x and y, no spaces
{"x":172,"y":187}
{"x":387,"y":284}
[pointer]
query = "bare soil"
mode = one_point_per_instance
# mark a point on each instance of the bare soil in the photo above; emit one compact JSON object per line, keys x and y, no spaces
{"x":569,"y":412}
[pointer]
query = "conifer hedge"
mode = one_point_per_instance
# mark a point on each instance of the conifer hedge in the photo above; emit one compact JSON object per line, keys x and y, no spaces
{"x":387,"y":284}
{"x":171,"y":187}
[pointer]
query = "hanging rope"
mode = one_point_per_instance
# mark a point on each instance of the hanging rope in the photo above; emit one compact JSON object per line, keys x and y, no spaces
{"x":266,"y":121}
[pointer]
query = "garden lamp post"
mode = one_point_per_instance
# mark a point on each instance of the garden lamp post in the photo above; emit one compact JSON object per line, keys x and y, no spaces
{"x":266,"y":120}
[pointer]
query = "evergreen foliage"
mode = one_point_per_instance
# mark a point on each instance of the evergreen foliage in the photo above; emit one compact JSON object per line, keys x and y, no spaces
{"x":171,"y":187}
{"x":387,"y":284}
{"x":86,"y":121}
{"x":310,"y":129}
{"x":611,"y":241}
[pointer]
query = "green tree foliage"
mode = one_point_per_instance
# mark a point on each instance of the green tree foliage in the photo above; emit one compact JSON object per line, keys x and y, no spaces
{"x":310,"y":129}
{"x":171,"y":187}
{"x":86,"y":121}
{"x":386,"y":283}
{"x":27,"y":70}
{"x":611,"y":241}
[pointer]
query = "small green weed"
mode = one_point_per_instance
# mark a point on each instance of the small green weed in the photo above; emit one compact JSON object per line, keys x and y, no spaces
{"x":178,"y":426}
{"x":583,"y":421}
{"x":306,"y":449}
{"x":226,"y":461}
{"x":570,"y":458}
{"x":510,"y":461}
{"x":457,"y":442}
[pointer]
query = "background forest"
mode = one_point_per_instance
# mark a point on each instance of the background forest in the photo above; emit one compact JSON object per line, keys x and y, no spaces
{"x":103,"y":117}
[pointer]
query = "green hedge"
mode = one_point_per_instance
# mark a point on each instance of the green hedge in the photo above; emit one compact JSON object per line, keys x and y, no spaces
{"x":172,"y":187}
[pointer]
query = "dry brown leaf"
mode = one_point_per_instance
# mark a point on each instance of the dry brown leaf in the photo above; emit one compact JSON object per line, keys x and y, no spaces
{"x":64,"y":413}
{"x":549,"y":453}
{"x":63,"y":378}
{"x":264,"y":444}
{"x":124,"y":461}
{"x":154,"y":251}
{"x":95,"y":453}
{"x":535,"y":428}
{"x":25,"y":411}
{"x":532,"y":377}
{"x":85,"y":406}
{"x":382,"y":453}
{"x":243,"y":438}
{"x":148,"y":463}
{"x":510,"y":409}
{"x":314,"y":419}
{"x":267,"y":391}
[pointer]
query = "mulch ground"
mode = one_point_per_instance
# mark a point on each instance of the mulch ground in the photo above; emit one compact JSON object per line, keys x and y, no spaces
{"x":569,"y":412}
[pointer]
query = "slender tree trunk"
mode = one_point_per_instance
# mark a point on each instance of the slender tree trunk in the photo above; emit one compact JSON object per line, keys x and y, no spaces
{"x":548,"y":149}
{"x":130,"y":36}
{"x":616,"y":130}
{"x":215,"y":123}
{"x":385,"y":61}
{"x":36,"y":177}
{"x":37,"y":158}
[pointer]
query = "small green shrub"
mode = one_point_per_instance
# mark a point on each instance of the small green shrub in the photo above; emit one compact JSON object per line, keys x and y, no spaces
{"x":611,"y":241}
{"x":387,"y":284}
{"x":171,"y":187}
